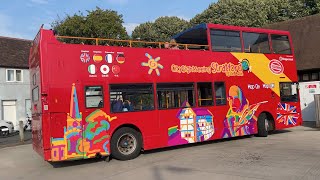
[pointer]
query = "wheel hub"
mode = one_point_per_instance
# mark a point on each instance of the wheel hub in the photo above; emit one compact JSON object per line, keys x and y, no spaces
{"x":127,"y":144}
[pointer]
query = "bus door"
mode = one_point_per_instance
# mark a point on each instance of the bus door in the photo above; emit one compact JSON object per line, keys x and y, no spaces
{"x":288,"y":108}
{"x":95,"y":121}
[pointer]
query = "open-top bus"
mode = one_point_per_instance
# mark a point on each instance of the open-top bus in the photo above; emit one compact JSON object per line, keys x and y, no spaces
{"x":101,"y":99}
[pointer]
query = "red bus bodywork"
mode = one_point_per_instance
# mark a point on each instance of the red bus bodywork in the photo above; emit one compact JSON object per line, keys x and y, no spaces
{"x":64,"y":129}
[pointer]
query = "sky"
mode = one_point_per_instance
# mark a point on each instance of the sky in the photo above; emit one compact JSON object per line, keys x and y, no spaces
{"x":23,"y":18}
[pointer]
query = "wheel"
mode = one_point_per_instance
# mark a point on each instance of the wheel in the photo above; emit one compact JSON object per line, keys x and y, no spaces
{"x":263,"y":125}
{"x":126,"y":143}
{"x":4,"y":133}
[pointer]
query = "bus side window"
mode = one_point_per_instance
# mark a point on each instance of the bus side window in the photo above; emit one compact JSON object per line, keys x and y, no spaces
{"x":94,"y":97}
{"x":220,"y":92}
{"x":225,"y":41}
{"x":280,"y":44}
{"x":131,"y":97}
{"x":256,"y":42}
{"x":175,"y":95}
{"x":205,"y":97}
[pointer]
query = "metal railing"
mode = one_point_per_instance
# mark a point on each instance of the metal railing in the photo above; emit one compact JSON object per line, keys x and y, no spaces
{"x":136,"y":43}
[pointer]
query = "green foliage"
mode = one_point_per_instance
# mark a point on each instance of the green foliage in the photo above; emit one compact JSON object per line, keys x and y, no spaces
{"x":256,"y":13}
{"x":234,"y":12}
{"x":161,"y":30}
{"x":97,"y":23}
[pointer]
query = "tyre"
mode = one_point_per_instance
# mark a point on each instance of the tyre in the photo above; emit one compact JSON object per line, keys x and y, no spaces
{"x":4,"y":133}
{"x":126,"y":144}
{"x":263,"y":125}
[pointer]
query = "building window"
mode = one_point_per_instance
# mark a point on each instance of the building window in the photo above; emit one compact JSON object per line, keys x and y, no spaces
{"x":225,"y":41}
{"x":256,"y":43}
{"x":205,"y":97}
{"x":175,"y":95}
{"x":131,"y":97}
{"x":305,"y":77}
{"x":14,"y":75}
{"x":315,"y":76}
{"x":94,"y":97}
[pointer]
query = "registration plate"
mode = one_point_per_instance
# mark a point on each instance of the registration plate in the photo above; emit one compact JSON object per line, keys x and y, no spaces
{"x":5,"y":129}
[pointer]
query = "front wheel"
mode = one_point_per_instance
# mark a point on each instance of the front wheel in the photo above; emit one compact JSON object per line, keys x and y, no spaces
{"x":126,"y":144}
{"x":263,"y":125}
{"x":4,"y":131}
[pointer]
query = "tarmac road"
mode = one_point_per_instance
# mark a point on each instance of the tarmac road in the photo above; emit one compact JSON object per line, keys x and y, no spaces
{"x":289,"y":154}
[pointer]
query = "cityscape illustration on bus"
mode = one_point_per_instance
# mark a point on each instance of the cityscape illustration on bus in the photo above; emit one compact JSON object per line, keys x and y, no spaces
{"x":117,"y":98}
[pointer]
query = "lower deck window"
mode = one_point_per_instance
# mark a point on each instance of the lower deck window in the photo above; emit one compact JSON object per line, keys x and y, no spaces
{"x":94,"y":97}
{"x":175,"y":95}
{"x":131,"y":97}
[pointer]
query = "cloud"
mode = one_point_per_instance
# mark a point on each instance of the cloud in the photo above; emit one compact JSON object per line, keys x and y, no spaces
{"x":130,"y":27}
{"x":6,"y":25}
{"x":40,"y":1}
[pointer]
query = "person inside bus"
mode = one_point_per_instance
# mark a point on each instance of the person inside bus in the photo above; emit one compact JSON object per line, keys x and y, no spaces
{"x":173,"y":44}
{"x":127,"y":106}
{"x":117,"y":105}
{"x":166,"y":45}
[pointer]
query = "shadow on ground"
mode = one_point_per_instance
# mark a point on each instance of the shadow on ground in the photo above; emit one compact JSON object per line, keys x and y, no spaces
{"x":63,"y":164}
{"x":211,"y":142}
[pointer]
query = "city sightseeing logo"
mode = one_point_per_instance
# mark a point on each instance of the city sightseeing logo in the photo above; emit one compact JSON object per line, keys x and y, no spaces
{"x":229,"y":69}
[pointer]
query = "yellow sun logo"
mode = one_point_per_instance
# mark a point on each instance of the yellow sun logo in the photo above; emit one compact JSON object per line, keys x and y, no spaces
{"x":152,"y":64}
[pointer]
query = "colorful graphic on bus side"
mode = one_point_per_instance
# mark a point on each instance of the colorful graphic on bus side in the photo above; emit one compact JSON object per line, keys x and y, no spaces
{"x":196,"y":125}
{"x":240,"y":119}
{"x":153,"y":64}
{"x":287,"y":114}
{"x":82,"y":141}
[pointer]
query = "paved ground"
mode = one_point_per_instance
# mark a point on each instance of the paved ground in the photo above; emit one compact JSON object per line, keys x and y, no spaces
{"x":14,"y":139}
{"x":290,"y":154}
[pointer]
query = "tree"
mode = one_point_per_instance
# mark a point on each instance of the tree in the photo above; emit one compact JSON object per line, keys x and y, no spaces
{"x":256,"y":13}
{"x":313,"y":6}
{"x":162,"y":29}
{"x":234,"y":12}
{"x":97,"y":23}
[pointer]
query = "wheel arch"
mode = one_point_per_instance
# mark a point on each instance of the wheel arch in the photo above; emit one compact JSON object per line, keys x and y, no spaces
{"x":130,"y":126}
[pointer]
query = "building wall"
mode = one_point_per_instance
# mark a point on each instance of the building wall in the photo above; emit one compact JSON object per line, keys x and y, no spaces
{"x":18,"y":91}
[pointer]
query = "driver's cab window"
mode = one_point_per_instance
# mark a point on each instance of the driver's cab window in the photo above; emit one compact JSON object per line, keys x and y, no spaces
{"x":289,"y":91}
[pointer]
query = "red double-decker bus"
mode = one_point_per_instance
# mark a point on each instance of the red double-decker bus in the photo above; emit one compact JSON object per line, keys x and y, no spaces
{"x":217,"y":82}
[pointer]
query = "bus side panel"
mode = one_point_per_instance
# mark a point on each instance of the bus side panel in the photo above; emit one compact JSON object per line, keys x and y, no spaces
{"x":35,"y":91}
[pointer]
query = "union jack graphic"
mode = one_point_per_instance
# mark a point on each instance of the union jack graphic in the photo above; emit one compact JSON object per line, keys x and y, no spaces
{"x":287,"y":114}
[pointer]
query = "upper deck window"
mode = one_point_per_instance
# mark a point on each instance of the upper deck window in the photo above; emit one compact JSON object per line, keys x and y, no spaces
{"x":280,"y":44}
{"x":225,"y":41}
{"x":256,"y":43}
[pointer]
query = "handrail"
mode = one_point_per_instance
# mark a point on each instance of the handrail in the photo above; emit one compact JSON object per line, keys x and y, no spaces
{"x":131,"y":42}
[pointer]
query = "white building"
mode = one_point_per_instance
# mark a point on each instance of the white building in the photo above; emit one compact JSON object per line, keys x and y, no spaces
{"x":14,"y":80}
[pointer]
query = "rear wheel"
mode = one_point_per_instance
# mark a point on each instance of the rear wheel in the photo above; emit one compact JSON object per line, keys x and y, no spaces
{"x":263,"y":125}
{"x":126,"y":143}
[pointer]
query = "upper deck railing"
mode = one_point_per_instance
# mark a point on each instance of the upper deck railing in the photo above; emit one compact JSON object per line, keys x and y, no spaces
{"x":134,"y":43}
